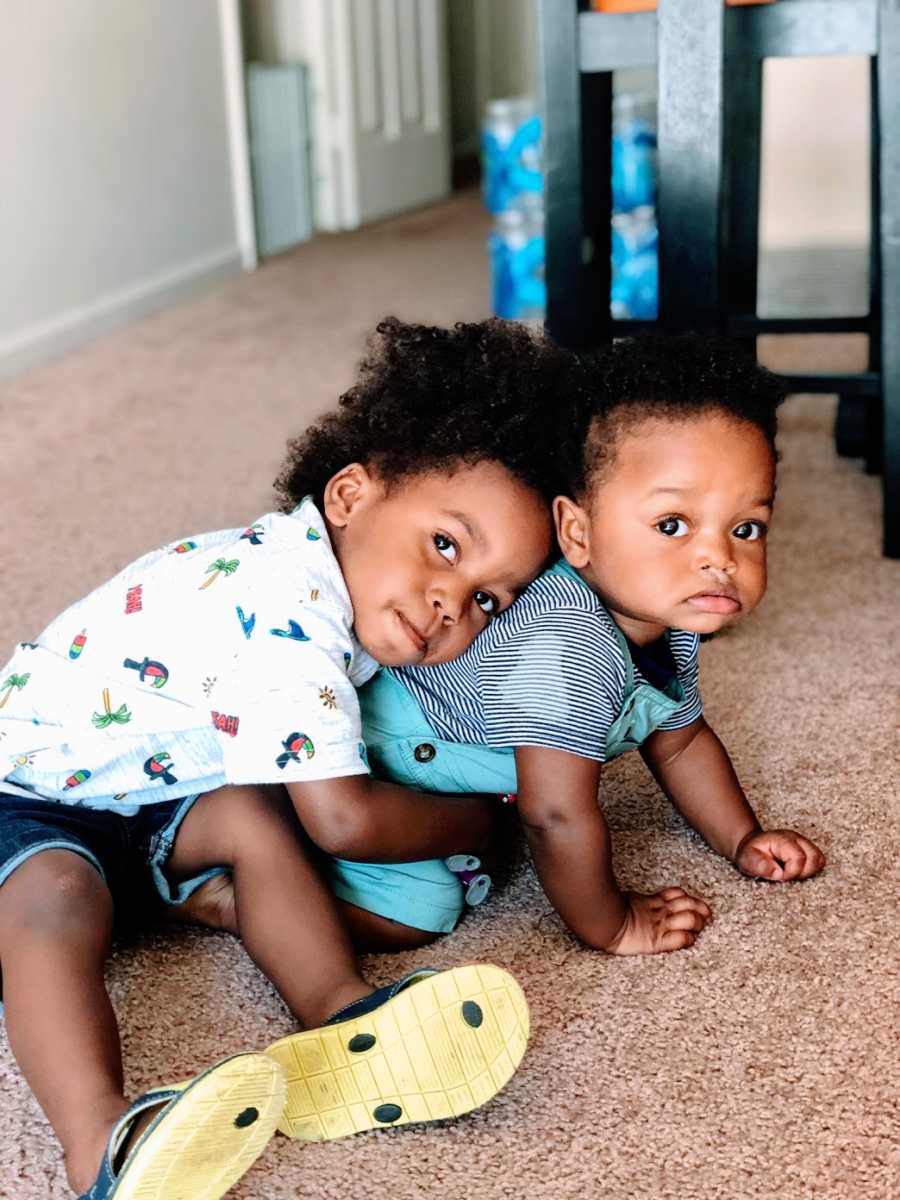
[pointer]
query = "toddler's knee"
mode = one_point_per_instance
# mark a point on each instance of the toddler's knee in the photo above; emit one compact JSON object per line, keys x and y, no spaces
{"x":56,"y":894}
{"x":251,"y":814}
{"x":343,"y":831}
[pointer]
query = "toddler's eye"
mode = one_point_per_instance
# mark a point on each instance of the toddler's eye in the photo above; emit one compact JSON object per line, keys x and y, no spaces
{"x":749,"y":531}
{"x":486,"y":603}
{"x":672,"y":527}
{"x":446,"y":547}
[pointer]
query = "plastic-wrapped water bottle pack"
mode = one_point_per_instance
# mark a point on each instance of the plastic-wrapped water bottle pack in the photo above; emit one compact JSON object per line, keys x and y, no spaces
{"x":635,"y":238}
{"x":513,"y":188}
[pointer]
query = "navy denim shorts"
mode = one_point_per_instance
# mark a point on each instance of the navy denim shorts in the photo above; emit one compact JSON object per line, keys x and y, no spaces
{"x":130,"y":852}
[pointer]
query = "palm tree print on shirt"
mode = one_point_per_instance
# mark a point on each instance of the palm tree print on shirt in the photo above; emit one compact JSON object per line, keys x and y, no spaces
{"x":222,"y":566}
{"x":13,"y":683}
{"x":121,"y":716}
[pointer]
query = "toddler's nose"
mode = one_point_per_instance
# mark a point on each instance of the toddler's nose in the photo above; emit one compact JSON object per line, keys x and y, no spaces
{"x":448,"y":603}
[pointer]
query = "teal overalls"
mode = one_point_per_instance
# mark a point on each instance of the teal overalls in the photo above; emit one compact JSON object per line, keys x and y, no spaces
{"x":404,"y":748}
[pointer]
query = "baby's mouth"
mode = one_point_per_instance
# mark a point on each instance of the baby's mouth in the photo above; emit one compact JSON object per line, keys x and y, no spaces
{"x":722,"y":598}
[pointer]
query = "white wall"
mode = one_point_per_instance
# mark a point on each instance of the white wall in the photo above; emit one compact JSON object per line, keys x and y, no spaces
{"x":816,"y":155}
{"x":114,"y":165}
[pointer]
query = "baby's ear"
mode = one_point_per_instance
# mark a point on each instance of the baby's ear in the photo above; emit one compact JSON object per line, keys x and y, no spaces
{"x":351,"y":489}
{"x":572,"y":531}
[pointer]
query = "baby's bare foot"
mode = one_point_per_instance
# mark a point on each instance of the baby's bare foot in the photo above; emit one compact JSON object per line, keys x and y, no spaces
{"x":212,"y":905}
{"x":667,"y":920}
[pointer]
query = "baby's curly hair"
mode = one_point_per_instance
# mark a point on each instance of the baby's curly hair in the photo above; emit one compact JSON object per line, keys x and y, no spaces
{"x":656,"y":375}
{"x":428,"y":398}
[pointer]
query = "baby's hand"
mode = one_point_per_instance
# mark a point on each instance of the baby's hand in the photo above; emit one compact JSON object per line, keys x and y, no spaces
{"x":779,"y":855}
{"x":667,"y":920}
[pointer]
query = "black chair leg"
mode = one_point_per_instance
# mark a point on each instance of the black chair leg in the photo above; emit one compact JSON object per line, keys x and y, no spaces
{"x":741,"y":154}
{"x":578,"y":173}
{"x":851,"y":426}
{"x":690,"y":48}
{"x":888,"y":102}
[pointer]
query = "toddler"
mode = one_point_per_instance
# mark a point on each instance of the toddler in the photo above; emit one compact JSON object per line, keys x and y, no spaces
{"x":137,"y":729}
{"x":668,"y":447}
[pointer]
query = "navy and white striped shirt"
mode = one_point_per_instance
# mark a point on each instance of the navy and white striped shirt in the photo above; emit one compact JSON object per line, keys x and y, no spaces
{"x":547,"y":672}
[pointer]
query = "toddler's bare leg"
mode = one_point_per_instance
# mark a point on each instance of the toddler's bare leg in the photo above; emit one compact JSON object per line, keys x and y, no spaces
{"x":213,"y":906}
{"x":369,"y":931}
{"x":284,"y":913}
{"x":55,"y":929}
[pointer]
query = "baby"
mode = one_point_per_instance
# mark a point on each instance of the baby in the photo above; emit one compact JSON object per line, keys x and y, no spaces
{"x":668,"y":447}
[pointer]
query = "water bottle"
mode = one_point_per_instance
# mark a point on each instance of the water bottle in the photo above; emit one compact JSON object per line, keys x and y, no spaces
{"x":511,"y":152}
{"x":635,"y":265}
{"x":634,"y":293}
{"x":516,"y":248}
{"x":633,"y":153}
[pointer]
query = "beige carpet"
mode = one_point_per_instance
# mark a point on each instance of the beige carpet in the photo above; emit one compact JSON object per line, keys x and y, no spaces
{"x":761,"y":1063}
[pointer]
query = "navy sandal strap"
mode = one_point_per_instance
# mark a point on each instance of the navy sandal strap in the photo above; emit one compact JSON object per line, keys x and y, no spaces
{"x":367,"y":1004}
{"x":106,"y":1177}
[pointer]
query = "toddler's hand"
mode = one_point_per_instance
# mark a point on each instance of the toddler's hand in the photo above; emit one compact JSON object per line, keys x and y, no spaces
{"x":779,"y":855}
{"x":667,"y":920}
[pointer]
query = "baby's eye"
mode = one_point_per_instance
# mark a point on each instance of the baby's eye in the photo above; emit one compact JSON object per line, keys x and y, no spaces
{"x":486,"y":603}
{"x":672,"y":527}
{"x":446,"y":547}
{"x":749,"y":531}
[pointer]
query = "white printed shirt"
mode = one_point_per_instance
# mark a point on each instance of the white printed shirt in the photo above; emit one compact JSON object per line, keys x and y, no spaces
{"x":228,"y":657}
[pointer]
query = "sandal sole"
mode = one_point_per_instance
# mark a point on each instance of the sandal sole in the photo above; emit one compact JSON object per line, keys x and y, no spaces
{"x":441,"y":1048}
{"x":211,"y":1136}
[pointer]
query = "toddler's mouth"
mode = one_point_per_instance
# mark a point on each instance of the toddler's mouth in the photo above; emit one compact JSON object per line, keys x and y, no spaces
{"x":420,"y":643}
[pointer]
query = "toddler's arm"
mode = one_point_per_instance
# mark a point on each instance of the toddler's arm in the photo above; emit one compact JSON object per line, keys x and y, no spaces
{"x":358,"y":817}
{"x":693,"y":769}
{"x":570,"y":845}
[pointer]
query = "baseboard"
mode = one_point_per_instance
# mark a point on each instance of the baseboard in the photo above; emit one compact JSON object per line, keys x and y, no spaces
{"x":47,"y":339}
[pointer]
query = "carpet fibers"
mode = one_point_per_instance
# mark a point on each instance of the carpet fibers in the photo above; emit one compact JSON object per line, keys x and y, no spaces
{"x":760,"y":1063}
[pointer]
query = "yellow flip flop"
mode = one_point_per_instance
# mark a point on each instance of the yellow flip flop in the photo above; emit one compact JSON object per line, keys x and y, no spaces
{"x":431,"y":1046}
{"x":207,"y":1133}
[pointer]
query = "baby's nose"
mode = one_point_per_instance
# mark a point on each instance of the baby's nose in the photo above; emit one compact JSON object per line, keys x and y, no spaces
{"x":723,"y":571}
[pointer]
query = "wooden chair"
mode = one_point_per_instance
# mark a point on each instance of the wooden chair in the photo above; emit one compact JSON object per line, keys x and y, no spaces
{"x":709,"y":71}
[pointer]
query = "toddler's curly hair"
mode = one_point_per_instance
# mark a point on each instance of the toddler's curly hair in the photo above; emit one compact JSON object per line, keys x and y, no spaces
{"x":428,"y":398}
{"x":674,"y":377}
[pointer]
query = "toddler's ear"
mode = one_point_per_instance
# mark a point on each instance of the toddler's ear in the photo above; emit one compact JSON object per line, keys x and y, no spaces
{"x":572,"y":531}
{"x":351,"y":489}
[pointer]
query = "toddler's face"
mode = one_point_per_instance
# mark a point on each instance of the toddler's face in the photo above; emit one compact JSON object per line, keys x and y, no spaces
{"x":674,"y":532}
{"x":430,"y":561}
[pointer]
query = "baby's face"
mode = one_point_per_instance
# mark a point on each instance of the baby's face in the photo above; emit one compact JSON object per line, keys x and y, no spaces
{"x":428,"y":562}
{"x":675,"y":529}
